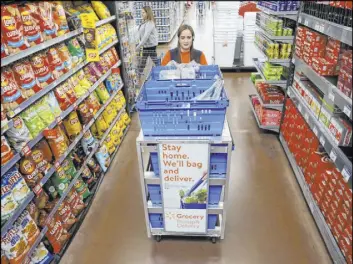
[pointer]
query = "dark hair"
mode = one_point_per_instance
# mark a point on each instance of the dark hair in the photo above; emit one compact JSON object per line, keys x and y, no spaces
{"x":149,"y":12}
{"x":186,"y":27}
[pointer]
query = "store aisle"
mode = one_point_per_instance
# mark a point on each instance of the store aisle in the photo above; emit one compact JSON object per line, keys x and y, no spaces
{"x":267,"y":221}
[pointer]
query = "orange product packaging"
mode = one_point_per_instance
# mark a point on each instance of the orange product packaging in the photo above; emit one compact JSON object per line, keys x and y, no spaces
{"x":6,"y":151}
{"x":69,"y":91}
{"x":31,"y":28}
{"x":25,"y":78}
{"x":42,"y":156}
{"x":46,"y":20}
{"x":56,"y":141}
{"x":41,"y":69}
{"x":11,"y":95}
{"x":56,"y":65}
{"x":12,"y":29}
{"x":57,"y":234}
{"x":66,"y":215}
{"x":4,"y":49}
{"x":61,"y":96}
{"x":60,"y":18}
{"x":65,"y":56}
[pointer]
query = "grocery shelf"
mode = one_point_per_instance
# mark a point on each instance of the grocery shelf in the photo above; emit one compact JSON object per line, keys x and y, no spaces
{"x":283,"y":62}
{"x":336,"y":31}
{"x":39,"y":47}
{"x":326,"y":85}
{"x":35,"y":245}
{"x":286,"y":39}
{"x":105,"y":21}
{"x":270,"y":106}
{"x":271,"y":128}
{"x":280,"y":83}
{"x":10,"y":164}
{"x":9,"y":223}
{"x":6,"y":126}
{"x":286,"y":14}
{"x":325,"y":232}
{"x":326,"y":139}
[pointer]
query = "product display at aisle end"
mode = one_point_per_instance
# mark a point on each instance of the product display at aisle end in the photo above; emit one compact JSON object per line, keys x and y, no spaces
{"x":63,"y":120}
{"x":274,"y":39}
{"x":316,"y":130}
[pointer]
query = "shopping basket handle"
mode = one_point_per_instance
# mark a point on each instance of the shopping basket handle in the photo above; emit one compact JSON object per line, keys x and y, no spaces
{"x":182,"y":85}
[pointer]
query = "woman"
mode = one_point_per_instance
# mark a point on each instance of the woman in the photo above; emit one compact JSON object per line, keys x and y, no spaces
{"x":185,"y":51}
{"x":148,"y":35}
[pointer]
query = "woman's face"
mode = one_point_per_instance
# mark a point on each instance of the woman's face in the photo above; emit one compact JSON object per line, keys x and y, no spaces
{"x":144,"y":14}
{"x":185,"y":39}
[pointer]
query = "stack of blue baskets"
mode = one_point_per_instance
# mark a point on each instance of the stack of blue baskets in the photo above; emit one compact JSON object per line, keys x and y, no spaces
{"x":167,"y":108}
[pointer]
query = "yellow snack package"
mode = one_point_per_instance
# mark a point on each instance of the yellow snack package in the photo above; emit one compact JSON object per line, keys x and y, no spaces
{"x":126,"y":118}
{"x":101,"y":10}
{"x":75,"y":83}
{"x":94,"y":130}
{"x":72,"y":125}
{"x":84,"y":82}
{"x":109,"y":114}
{"x":101,"y":125}
{"x":102,"y":93}
{"x":109,"y":143}
{"x":115,"y":135}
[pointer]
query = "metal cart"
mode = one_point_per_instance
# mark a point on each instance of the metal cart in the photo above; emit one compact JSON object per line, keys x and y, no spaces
{"x":221,"y":144}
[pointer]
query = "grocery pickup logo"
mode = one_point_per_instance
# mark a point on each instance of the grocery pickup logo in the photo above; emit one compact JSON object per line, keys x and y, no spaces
{"x":170,"y":216}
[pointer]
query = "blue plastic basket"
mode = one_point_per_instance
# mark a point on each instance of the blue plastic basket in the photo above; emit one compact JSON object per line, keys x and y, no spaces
{"x":205,"y":72}
{"x":156,"y":221}
{"x":166,"y":109}
{"x":218,"y":164}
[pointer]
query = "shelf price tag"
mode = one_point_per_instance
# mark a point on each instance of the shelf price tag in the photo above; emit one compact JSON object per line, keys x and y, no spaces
{"x":316,"y":132}
{"x":300,"y":108}
{"x":322,"y":141}
{"x":333,"y":155}
{"x":37,"y":189}
{"x":347,"y":110}
{"x":306,"y":22}
{"x":346,"y":174}
{"x":331,"y":96}
{"x":25,"y":151}
{"x":306,"y":116}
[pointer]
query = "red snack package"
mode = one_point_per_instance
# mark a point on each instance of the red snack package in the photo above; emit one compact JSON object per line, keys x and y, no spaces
{"x":11,"y":95}
{"x":25,"y":78}
{"x":56,"y":141}
{"x":6,"y":151}
{"x":66,"y":216}
{"x":56,"y":65}
{"x":12,"y":29}
{"x":31,"y":28}
{"x":41,"y":69}
{"x":42,"y":156}
{"x":46,"y":20}
{"x":75,"y":202}
{"x":57,"y":234}
{"x":115,"y":54}
{"x":69,"y":91}
{"x":65,"y":56}
{"x":60,"y":18}
{"x":63,"y":100}
{"x":4,"y":49}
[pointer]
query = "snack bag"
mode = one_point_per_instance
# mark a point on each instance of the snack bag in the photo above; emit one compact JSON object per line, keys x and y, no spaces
{"x":44,"y":111}
{"x":81,"y":188}
{"x":94,"y":70}
{"x":78,"y":156}
{"x":69,"y":92}
{"x":109,"y":114}
{"x":114,"y":54}
{"x":18,"y":134}
{"x":62,"y":98}
{"x":12,"y":29}
{"x":94,"y":130}
{"x":102,"y":93}
{"x":101,"y":126}
{"x":84,"y":113}
{"x":46,"y":20}
{"x":4,"y":48}
{"x":42,"y":156}
{"x":19,"y":186}
{"x":49,"y":187}
{"x":33,"y":212}
{"x":75,"y":84}
{"x":126,"y":118}
{"x":15,"y":245}
{"x":8,"y":202}
{"x":57,"y":234}
{"x":101,"y":10}
{"x":93,"y":104}
{"x":53,"y":103}
{"x":66,"y":216}
{"x":11,"y":95}
{"x":33,"y":122}
{"x":72,"y":125}
{"x":103,"y":157}
{"x":6,"y":152}
{"x":110,"y":144}
{"x":87,"y":176}
{"x":91,"y":77}
{"x":93,"y":166}
{"x":30,"y":172}
{"x":25,"y":78}
{"x":77,"y":53}
{"x":56,"y":65}
{"x":65,"y":56}
{"x":40,"y":201}
{"x":31,"y":28}
{"x":61,"y":129}
{"x":27,"y":227}
{"x":69,"y":168}
{"x":88,"y":142}
{"x":115,"y":136}
{"x":60,"y":18}
{"x":84,"y":82}
{"x":113,"y":82}
{"x":60,"y":180}
{"x":56,"y":141}
{"x":41,"y":255}
{"x":41,"y":69}
{"x":87,"y":8}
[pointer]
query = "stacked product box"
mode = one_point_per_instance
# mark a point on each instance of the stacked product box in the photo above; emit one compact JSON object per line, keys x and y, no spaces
{"x":329,"y":190}
{"x":266,"y":117}
{"x":274,"y":25}
{"x":270,"y":94}
{"x":345,"y":74}
{"x":273,"y":50}
{"x":272,"y":72}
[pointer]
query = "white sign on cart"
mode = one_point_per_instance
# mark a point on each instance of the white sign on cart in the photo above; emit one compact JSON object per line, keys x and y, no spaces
{"x":184,"y":172}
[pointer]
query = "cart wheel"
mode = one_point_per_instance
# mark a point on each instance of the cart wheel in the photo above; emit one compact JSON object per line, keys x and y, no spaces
{"x":158,"y":238}
{"x":214,"y":240}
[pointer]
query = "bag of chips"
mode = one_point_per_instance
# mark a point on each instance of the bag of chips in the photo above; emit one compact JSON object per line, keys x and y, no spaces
{"x":53,"y":103}
{"x":94,"y":167}
{"x":109,"y":114}
{"x":115,"y":136}
{"x":81,"y":188}
{"x":110,"y":144}
{"x":30,"y":172}
{"x":57,"y":234}
{"x":41,"y":199}
{"x":103,"y":157}
{"x":113,"y":82}
{"x":18,"y":134}
{"x":126,"y":118}
{"x":101,"y":126}
{"x":75,"y":84}
{"x":27,"y":227}
{"x":49,"y":187}
{"x":33,"y":122}
{"x":62,"y":98}
{"x":33,"y":212}
{"x":72,"y":125}
{"x":102,"y":93}
{"x":76,"y":51}
{"x":69,"y":91}
{"x":41,"y":69}
{"x":94,"y":70}
{"x":93,"y":104}
{"x":41,"y":255}
{"x":42,"y":156}
{"x":46,"y":20}
{"x":84,"y":82}
{"x":25,"y":78}
{"x":15,"y":245}
{"x":91,"y":77}
{"x":84,"y":113}
{"x":88,"y":142}
{"x":11,"y":94}
{"x":56,"y":141}
{"x":8,"y":202}
{"x":87,"y":8}
{"x":87,"y":176}
{"x":66,"y":215}
{"x":78,"y":156}
{"x":4,"y":48}
{"x":69,"y":168}
{"x":60,"y":18}
{"x":6,"y":152}
{"x":17,"y":183}
{"x":56,"y":65}
{"x":44,"y":111}
{"x":75,"y":202}
{"x":31,"y":29}
{"x":65,"y":56}
{"x":101,"y":10}
{"x":60,"y":180}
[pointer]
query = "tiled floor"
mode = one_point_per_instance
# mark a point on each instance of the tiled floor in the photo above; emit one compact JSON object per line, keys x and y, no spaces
{"x":268,"y":221}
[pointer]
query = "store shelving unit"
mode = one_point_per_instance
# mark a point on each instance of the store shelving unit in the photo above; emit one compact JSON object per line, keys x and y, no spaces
{"x":283,"y":62}
{"x":270,"y":106}
{"x":258,"y":66}
{"x":286,"y":39}
{"x":220,"y":144}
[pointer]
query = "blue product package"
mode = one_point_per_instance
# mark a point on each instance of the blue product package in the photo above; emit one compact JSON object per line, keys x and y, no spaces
{"x":88,"y":142}
{"x":20,"y":189}
{"x":103,"y":158}
{"x":113,"y":82}
{"x":41,"y":255}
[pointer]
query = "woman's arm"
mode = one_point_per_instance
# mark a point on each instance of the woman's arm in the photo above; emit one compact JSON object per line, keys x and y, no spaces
{"x":203,"y":60}
{"x":148,"y":29}
{"x":166,"y":59}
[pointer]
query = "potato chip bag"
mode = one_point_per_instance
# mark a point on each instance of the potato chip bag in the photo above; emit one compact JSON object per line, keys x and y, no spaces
{"x":126,"y":118}
{"x":94,"y":130}
{"x":84,"y":113}
{"x":101,"y":126}
{"x":41,"y":69}
{"x":115,"y":136}
{"x":40,"y":200}
{"x":60,"y":180}
{"x":69,"y":168}
{"x":114,"y":54}
{"x":33,"y":122}
{"x":110,"y":144}
{"x":33,"y":212}
{"x":15,"y":245}
{"x":102,"y":93}
{"x":87,"y":176}
{"x":65,"y":56}
{"x":84,"y":82}
{"x":66,"y":215}
{"x":81,"y":188}
{"x":100,"y":9}
{"x":75,"y":84}
{"x":53,"y":103}
{"x":56,"y":141}
{"x":88,"y":142}
{"x":93,"y":104}
{"x":56,"y":65}
{"x":31,"y":28}
{"x":91,"y":77}
{"x":103,"y":158}
{"x":62,"y":130}
{"x":113,"y":82}
{"x":87,"y":8}
{"x":76,"y":51}
{"x":44,"y":111}
{"x":8,"y":202}
{"x":27,"y":227}
{"x":108,"y":116}
{"x":57,"y":234}
{"x":6,"y":151}
{"x":29,"y":171}
{"x":60,"y":18}
{"x":72,"y":125}
{"x":4,"y":48}
{"x":18,"y":134}
{"x":62,"y":98}
{"x":75,"y":202}
{"x":12,"y":29}
{"x":19,"y":186}
{"x":42,"y":156}
{"x":11,"y":94}
{"x":46,"y":20}
{"x":41,"y":255}
{"x":69,"y":91}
